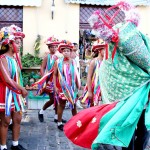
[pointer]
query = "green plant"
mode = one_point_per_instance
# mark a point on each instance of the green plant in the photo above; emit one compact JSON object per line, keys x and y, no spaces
{"x":27,"y":75}
{"x":29,"y":60}
{"x":26,"y":78}
{"x":21,"y":50}
{"x":37,"y":45}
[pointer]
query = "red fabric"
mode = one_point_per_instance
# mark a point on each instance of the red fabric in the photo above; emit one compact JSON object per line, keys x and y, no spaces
{"x":19,"y":34}
{"x":115,"y":39}
{"x":17,"y":57}
{"x":3,"y":86}
{"x":3,"y":80}
{"x":2,"y":93}
{"x":2,"y":97}
{"x":85,"y":135}
{"x":106,"y":57}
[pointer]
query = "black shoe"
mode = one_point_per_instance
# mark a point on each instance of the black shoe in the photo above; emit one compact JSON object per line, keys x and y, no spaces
{"x":4,"y":149}
{"x":63,"y":120}
{"x":60,"y":127}
{"x":10,"y":127}
{"x":18,"y":147}
{"x":55,"y":120}
{"x":41,"y":117}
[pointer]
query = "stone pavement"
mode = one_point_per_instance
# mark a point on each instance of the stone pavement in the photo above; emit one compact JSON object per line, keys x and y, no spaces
{"x":45,"y":136}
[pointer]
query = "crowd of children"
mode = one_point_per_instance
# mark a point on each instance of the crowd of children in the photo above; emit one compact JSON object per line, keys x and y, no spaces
{"x":60,"y":73}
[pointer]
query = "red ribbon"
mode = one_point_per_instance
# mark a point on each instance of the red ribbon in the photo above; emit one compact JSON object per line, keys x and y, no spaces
{"x":115,"y":39}
{"x":106,"y":56}
{"x":66,"y":59}
{"x":17,"y":57}
{"x":19,"y":34}
{"x":10,"y":87}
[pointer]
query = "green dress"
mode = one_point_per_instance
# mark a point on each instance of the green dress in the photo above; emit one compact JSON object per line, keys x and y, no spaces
{"x":125,"y":80}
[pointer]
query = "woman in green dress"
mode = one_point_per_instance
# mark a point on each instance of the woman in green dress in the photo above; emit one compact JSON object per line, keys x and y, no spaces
{"x":124,"y":78}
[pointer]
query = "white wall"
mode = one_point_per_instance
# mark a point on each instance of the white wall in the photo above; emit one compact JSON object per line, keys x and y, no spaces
{"x":144,"y":24}
{"x":37,"y":20}
{"x":65,"y":25}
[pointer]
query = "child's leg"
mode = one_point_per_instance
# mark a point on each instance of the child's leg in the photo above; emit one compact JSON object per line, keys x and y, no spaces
{"x":16,"y":118}
{"x":46,"y":105}
{"x":92,"y":102}
{"x":60,"y":109}
{"x":74,"y":110}
{"x":4,"y":123}
{"x":56,"y":116}
{"x":50,"y":102}
{"x":56,"y":107}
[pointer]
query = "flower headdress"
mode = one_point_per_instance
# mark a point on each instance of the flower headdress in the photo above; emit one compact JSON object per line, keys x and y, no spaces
{"x":99,"y":44}
{"x":52,"y":41}
{"x":102,"y":24}
{"x":9,"y":34}
{"x":65,"y":44}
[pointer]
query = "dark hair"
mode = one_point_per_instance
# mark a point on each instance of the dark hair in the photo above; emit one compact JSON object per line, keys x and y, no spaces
{"x":95,"y":54}
{"x":75,"y":44}
{"x":4,"y":49}
{"x":49,"y":46}
{"x":88,"y":46}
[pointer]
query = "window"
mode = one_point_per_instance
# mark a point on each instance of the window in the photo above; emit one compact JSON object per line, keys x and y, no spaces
{"x":86,"y":38}
{"x":87,"y":10}
{"x":11,"y":15}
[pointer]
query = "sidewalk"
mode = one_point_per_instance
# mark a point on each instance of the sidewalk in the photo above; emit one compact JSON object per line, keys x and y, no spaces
{"x":45,"y":136}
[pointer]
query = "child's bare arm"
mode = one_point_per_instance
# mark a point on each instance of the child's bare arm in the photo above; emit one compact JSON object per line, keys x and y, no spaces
{"x":43,"y":66}
{"x":55,"y":75}
{"x":89,"y":79}
{"x":6,"y":76}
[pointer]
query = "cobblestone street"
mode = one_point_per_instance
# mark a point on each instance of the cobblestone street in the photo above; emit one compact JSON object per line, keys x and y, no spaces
{"x":45,"y":136}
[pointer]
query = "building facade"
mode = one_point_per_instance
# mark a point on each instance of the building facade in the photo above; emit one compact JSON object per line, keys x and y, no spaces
{"x":62,"y":18}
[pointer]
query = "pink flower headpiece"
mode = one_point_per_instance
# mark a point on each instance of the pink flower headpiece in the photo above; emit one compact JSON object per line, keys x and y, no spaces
{"x":99,"y":44}
{"x":8,"y":34}
{"x":102,"y":24}
{"x":52,"y":41}
{"x":65,"y":44}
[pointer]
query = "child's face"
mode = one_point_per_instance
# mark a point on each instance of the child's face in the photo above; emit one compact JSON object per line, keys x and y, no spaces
{"x":73,"y":53}
{"x":18,"y":44}
{"x":52,"y":48}
{"x":66,"y":52}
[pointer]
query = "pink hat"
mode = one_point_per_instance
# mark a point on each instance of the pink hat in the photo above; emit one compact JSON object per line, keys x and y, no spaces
{"x":102,"y":23}
{"x":65,"y":44}
{"x":9,"y":34}
{"x":52,"y":41}
{"x":99,"y":44}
